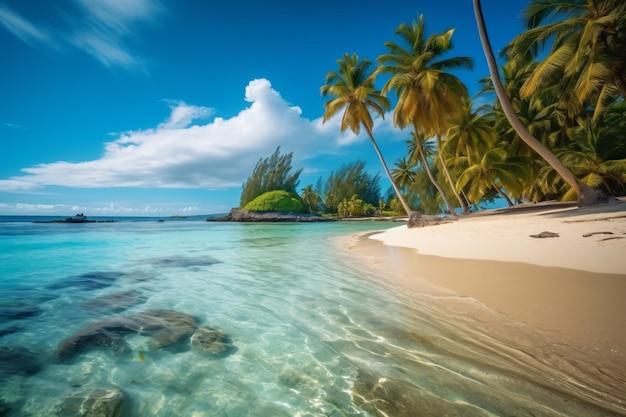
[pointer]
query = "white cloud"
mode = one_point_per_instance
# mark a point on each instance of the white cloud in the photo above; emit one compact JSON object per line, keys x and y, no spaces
{"x":22,"y":28}
{"x":103,"y":29}
{"x":216,"y":155}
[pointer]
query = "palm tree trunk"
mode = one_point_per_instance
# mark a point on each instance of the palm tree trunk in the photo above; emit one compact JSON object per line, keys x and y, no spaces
{"x":446,"y":171}
{"x":393,"y":183}
{"x":503,"y":194}
{"x":422,"y":155}
{"x":586,"y":195}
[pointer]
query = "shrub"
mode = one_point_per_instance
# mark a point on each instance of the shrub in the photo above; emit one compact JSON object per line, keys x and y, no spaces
{"x":278,"y":200}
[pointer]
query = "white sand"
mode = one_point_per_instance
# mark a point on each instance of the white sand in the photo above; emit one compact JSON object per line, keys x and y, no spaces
{"x":504,"y":235}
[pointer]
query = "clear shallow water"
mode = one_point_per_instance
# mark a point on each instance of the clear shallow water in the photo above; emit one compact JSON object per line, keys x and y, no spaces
{"x":314,"y":333}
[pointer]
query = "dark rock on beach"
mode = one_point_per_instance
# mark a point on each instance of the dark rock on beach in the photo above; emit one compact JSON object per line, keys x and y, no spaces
{"x":418,"y":219}
{"x":544,"y":235}
{"x":101,"y":402}
{"x":166,"y":327}
{"x":212,"y":341}
{"x":236,"y":215}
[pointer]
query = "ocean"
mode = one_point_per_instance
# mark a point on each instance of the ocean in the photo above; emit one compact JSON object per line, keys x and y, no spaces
{"x":293,"y":326}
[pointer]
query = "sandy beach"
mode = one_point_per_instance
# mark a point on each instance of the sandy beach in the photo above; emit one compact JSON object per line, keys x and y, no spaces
{"x":565,"y":293}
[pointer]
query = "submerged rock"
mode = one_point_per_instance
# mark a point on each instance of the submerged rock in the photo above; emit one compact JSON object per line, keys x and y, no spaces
{"x":18,"y":361}
{"x":88,"y":281}
{"x":18,"y":310}
{"x":212,"y":341}
{"x":167,"y":327}
{"x":115,"y":302}
{"x":97,"y":403}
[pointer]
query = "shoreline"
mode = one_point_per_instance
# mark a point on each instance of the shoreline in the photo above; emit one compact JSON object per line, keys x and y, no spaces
{"x":559,"y":300}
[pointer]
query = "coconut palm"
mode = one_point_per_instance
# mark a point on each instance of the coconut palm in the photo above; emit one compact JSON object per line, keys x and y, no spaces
{"x":495,"y":170}
{"x":587,"y":56}
{"x":310,"y":198}
{"x":354,"y":91}
{"x":596,"y":156}
{"x":586,"y":195}
{"x":421,"y":151}
{"x":404,"y":173}
{"x":428,"y":95}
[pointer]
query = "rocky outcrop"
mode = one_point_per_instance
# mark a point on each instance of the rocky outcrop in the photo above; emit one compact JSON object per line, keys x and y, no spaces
{"x":236,"y":215}
{"x":96,"y":403}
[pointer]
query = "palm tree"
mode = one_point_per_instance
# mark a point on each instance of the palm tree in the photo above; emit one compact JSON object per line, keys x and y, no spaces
{"x":587,"y":56}
{"x":310,"y":198}
{"x":597,"y":156}
{"x":403,"y":173}
{"x":420,"y":151}
{"x":495,"y":170}
{"x":586,"y":195}
{"x":428,"y":95}
{"x":353,"y":88}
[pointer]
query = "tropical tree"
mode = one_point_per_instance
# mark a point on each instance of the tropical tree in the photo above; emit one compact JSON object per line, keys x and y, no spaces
{"x":354,"y":91}
{"x":310,"y":198}
{"x":270,"y":174}
{"x":586,"y":195}
{"x":420,"y":151}
{"x":596,"y":156}
{"x":495,"y":170}
{"x":404,"y":173}
{"x":587,"y":56}
{"x":428,"y":95}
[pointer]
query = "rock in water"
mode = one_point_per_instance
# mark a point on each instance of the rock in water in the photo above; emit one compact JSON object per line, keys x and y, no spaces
{"x":209,"y":340}
{"x":97,"y":403}
{"x":167,"y":327}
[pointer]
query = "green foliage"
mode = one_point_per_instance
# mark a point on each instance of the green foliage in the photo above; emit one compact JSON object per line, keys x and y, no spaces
{"x":271,"y":173}
{"x":277,"y":200}
{"x":350,"y":180}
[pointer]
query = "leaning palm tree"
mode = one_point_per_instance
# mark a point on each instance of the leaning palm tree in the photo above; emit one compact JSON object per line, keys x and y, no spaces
{"x":353,"y":88}
{"x":587,"y":40}
{"x":428,"y":95}
{"x":586,"y":195}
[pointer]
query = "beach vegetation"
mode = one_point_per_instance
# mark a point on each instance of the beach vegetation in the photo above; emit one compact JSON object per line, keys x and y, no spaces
{"x":277,"y":200}
{"x":272,"y":173}
{"x":354,"y":92}
{"x":351,"y":180}
{"x":556,"y":130}
{"x":428,"y":94}
{"x":586,"y":195}
{"x":311,"y":199}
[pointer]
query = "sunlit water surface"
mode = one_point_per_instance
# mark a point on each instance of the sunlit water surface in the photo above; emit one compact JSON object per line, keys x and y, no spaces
{"x":313,"y":331}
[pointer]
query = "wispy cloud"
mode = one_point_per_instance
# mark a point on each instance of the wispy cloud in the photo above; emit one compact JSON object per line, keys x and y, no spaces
{"x":104,"y":29}
{"x":22,"y":28}
{"x":178,"y":154}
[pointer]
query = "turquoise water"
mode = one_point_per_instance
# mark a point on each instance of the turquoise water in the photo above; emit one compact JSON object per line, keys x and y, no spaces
{"x":311,"y":330}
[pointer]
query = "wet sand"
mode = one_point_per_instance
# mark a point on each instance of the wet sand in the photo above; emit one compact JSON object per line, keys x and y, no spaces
{"x":559,"y":300}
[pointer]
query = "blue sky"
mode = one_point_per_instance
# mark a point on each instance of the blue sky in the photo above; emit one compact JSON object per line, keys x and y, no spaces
{"x":148,"y":107}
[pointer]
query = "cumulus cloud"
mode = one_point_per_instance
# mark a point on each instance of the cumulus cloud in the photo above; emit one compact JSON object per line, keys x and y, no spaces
{"x":218,"y":154}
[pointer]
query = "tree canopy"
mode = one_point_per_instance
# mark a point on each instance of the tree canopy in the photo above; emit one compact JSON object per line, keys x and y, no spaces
{"x":270,"y":174}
